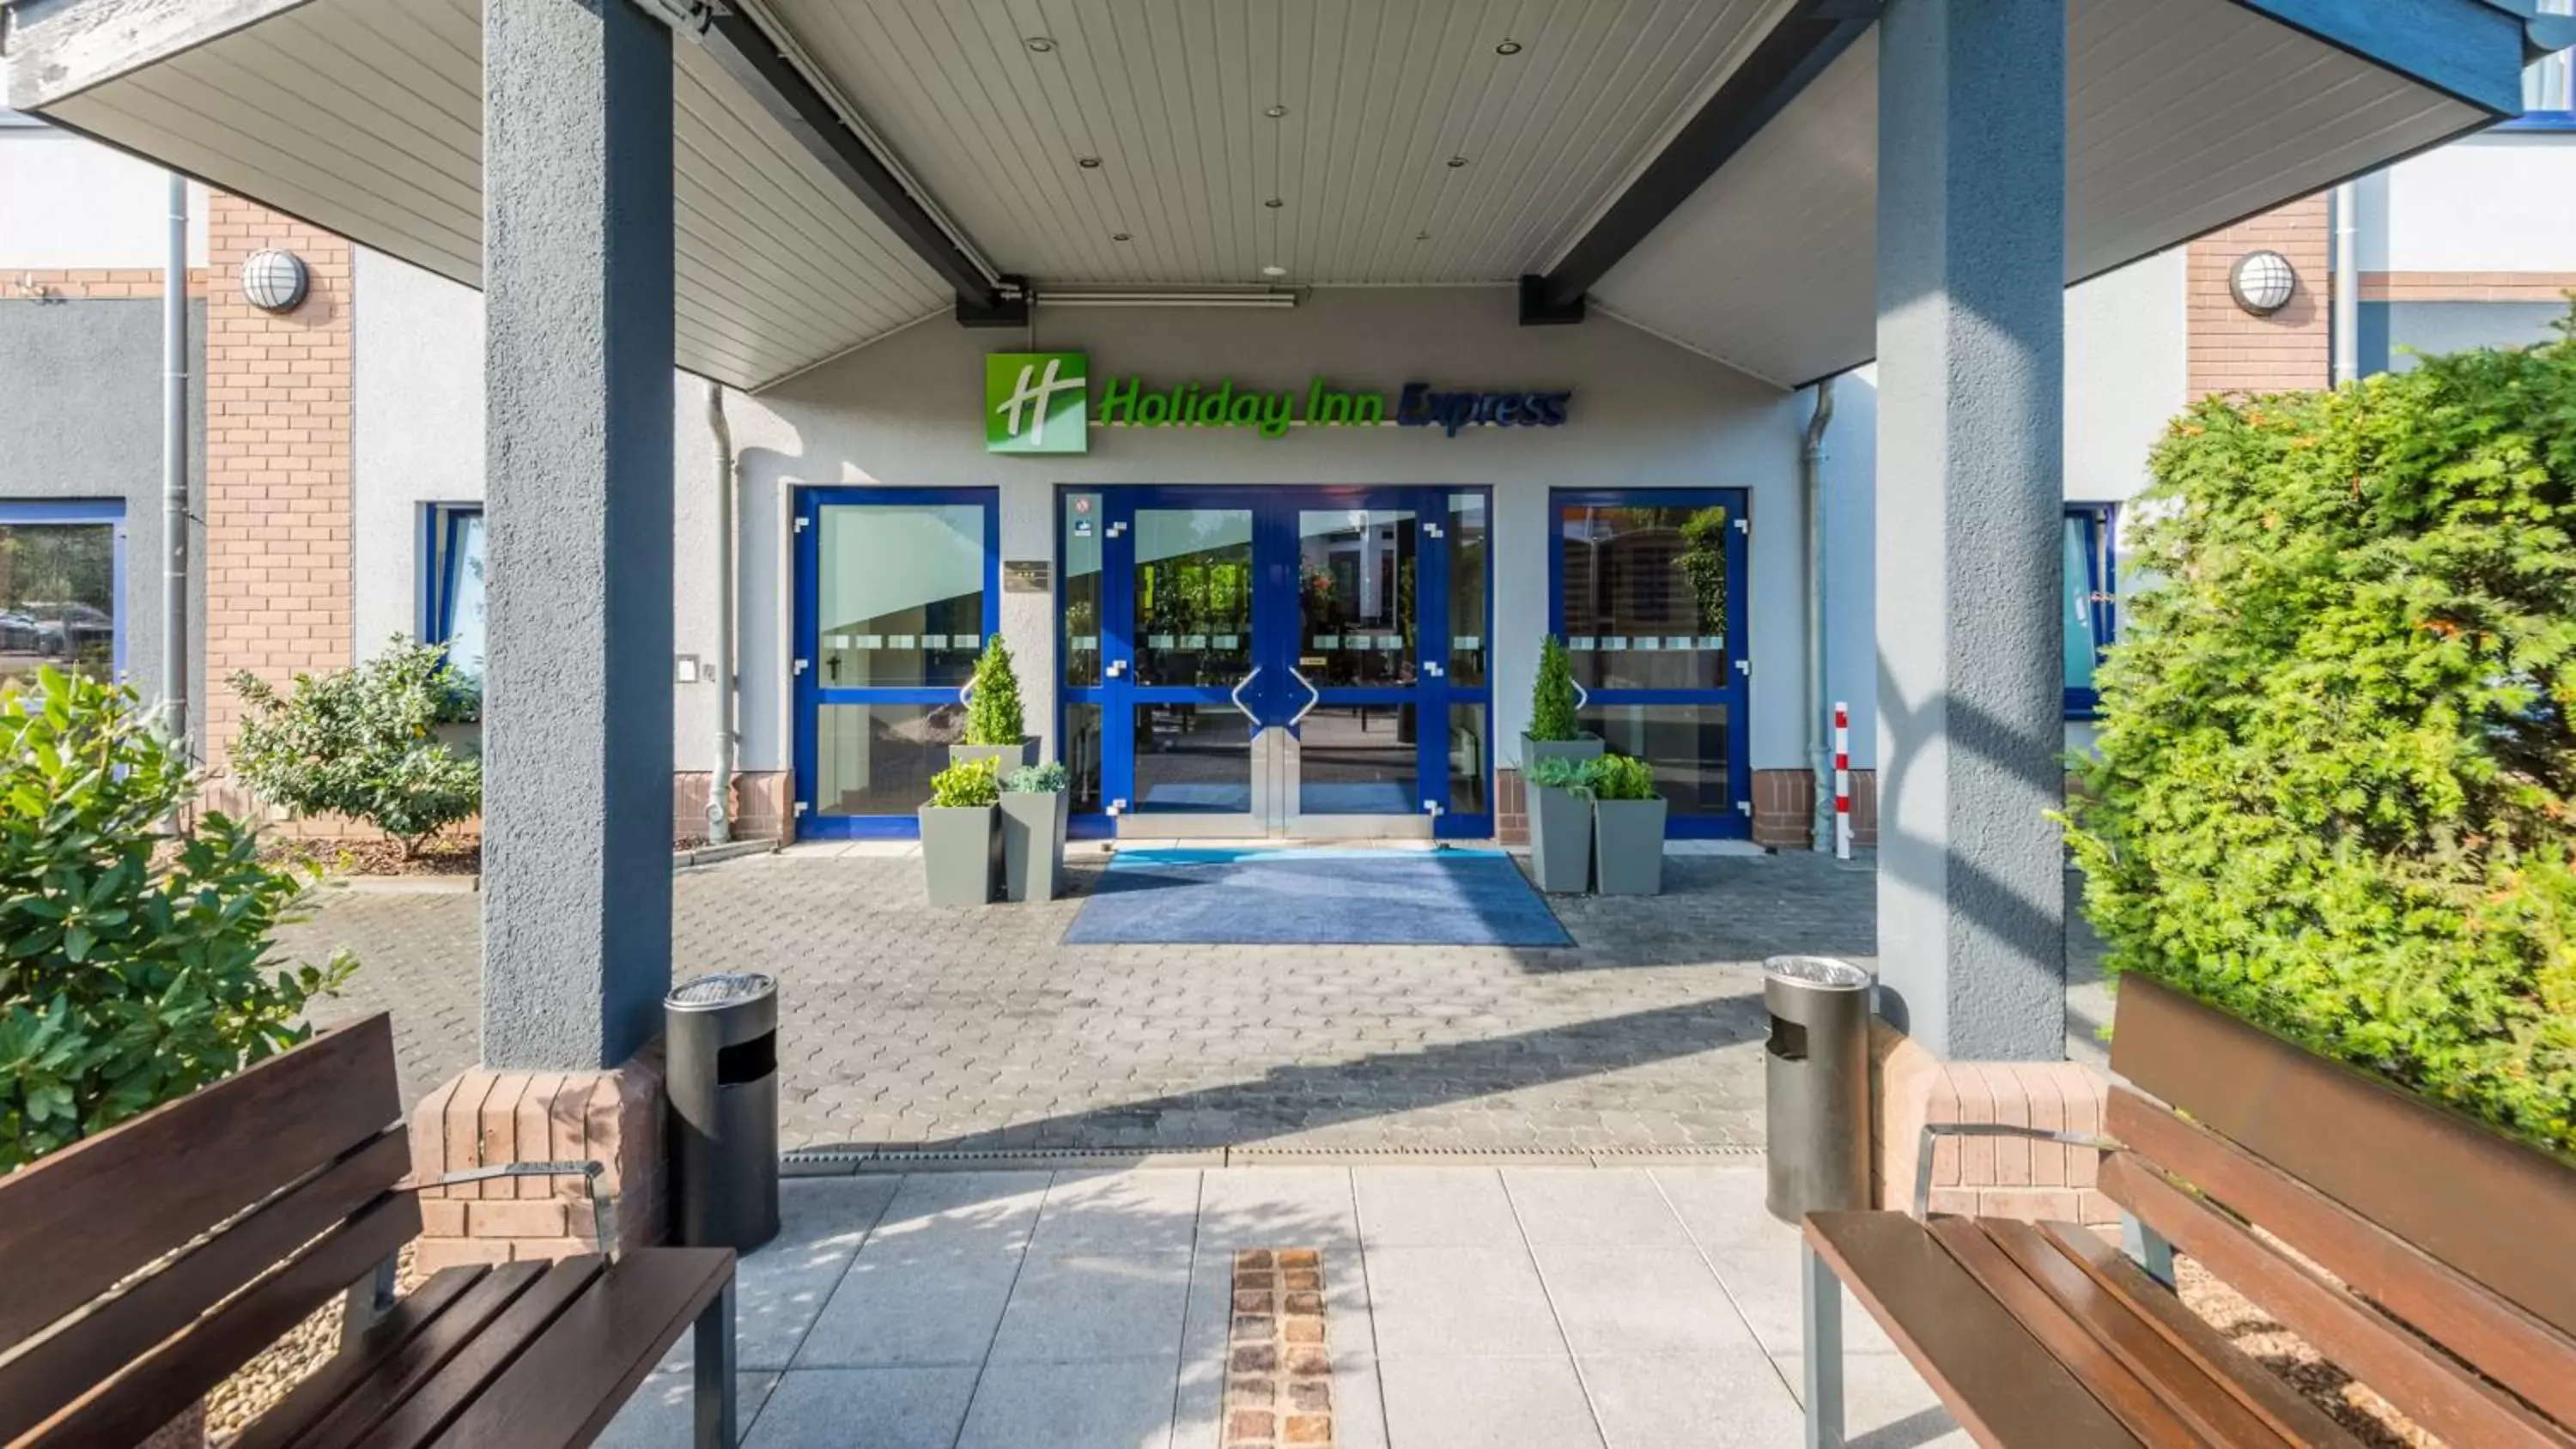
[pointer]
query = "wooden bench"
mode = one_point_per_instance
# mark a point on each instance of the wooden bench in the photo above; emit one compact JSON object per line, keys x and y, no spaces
{"x":142,"y":1267}
{"x":2426,"y":1257}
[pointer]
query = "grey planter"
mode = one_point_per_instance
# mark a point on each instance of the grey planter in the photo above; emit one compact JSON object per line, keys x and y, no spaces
{"x":1532,"y":751}
{"x":961,"y":854}
{"x":1011,"y":756}
{"x":1032,"y":844}
{"x":1560,"y":840}
{"x":1629,"y":845}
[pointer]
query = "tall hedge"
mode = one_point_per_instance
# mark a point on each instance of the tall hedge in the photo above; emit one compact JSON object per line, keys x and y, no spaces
{"x":2333,"y":789}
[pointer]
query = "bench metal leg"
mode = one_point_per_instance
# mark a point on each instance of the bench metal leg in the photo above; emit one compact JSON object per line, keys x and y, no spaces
{"x":715,"y":1373}
{"x":2147,"y":1248}
{"x":369,"y":1300}
{"x":1820,"y":1297}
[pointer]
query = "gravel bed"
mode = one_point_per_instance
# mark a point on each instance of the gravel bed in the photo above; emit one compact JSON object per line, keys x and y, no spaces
{"x":270,"y":1377}
{"x":2369,"y":1418}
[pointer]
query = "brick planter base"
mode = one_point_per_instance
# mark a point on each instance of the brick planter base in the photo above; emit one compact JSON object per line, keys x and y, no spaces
{"x":1991,"y":1176}
{"x":485,"y":1118}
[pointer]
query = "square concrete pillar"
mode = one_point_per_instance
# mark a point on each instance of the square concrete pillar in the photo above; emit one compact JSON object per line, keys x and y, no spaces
{"x":577,"y":691}
{"x":1971,"y":356}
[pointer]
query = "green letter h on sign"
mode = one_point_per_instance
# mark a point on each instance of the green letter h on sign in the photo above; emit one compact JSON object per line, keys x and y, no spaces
{"x":1037,"y":402}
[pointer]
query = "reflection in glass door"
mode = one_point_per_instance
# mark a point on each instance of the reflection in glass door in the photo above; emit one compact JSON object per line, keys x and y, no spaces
{"x":1189,"y":628}
{"x":896,"y":593}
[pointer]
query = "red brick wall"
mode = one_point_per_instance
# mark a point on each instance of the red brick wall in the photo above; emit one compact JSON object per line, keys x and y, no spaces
{"x":2231,"y":349}
{"x":277,"y":463}
{"x":92,"y":284}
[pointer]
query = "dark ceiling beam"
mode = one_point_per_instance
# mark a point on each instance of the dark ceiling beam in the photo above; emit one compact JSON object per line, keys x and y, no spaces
{"x":737,"y":43}
{"x":1805,"y":41}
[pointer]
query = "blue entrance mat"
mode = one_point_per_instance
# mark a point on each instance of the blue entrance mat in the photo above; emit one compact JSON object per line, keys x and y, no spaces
{"x":1315,"y":898}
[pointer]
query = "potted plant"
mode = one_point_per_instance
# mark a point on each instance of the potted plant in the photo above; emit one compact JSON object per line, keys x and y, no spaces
{"x":1560,"y":813}
{"x":1555,"y":728}
{"x":961,"y":852}
{"x":1627,"y":826}
{"x":995,"y":725}
{"x":1033,"y":818}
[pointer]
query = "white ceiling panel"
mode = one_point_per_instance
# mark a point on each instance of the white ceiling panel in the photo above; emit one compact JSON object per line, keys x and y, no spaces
{"x":366,"y":117}
{"x":2184,"y":116}
{"x":1172,"y":100}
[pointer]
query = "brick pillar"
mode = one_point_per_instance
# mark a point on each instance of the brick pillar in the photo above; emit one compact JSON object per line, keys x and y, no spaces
{"x":2231,"y":349}
{"x":277,"y":504}
{"x":1988,"y":1176}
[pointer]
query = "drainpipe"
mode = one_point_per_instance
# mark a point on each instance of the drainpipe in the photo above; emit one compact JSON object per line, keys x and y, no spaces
{"x":174,"y":472}
{"x":2347,"y":283}
{"x":1811,"y":489}
{"x":720,"y":780}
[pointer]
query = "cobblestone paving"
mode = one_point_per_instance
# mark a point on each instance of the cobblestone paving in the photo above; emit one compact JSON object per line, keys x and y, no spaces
{"x":910,"y":1027}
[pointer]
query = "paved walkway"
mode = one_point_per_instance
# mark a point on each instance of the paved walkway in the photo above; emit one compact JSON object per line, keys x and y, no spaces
{"x":1466,"y":1308}
{"x":908,"y":1027}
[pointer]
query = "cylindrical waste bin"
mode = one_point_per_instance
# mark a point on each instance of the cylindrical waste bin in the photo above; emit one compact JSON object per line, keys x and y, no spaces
{"x":1815,"y":1085}
{"x":722,"y":1065}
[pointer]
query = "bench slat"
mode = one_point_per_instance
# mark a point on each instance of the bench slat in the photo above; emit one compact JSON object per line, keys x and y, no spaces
{"x":2258,"y":1388}
{"x":2003,"y":1386}
{"x":2171,"y":1379}
{"x":357,"y":1390}
{"x":155,"y":1389}
{"x":2436,"y":1180}
{"x":572,"y":1381}
{"x":2507,"y":1344}
{"x":118,"y":1330}
{"x":142,"y":1188}
{"x":2425,"y":1384}
{"x":478,"y":1362}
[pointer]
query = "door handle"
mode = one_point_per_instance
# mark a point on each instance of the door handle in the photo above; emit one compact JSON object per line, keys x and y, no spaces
{"x":1314,"y":697}
{"x":1117,"y":668}
{"x":1237,"y":696}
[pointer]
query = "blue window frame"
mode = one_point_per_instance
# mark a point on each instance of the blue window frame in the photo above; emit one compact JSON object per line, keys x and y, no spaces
{"x":451,"y":576}
{"x":62,"y":590}
{"x":1647,"y":586}
{"x":896,"y":591}
{"x":2091,"y":601}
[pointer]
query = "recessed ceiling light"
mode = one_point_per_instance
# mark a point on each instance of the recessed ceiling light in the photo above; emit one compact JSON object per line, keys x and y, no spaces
{"x":1274,"y":270}
{"x":1457,"y":161}
{"x":1422,"y":236}
{"x":1120,"y":236}
{"x":1089,"y":163}
{"x":1274,"y":203}
{"x":1040,"y":44}
{"x":1275,"y":112}
{"x":1508,"y":47}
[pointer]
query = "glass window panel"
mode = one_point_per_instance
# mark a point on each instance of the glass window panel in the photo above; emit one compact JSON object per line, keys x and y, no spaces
{"x":1469,"y":580}
{"x":1081,"y":590}
{"x":1082,"y":729}
{"x":57,"y":599}
{"x":2078,"y":589}
{"x":901,"y":602}
{"x":1645,"y":595}
{"x":877,"y":759}
{"x":1193,"y":759}
{"x":1467,"y":773}
{"x":1193,"y":596}
{"x":1686,"y":743}
{"x":1358,"y":760}
{"x":1356,"y":570}
{"x":462,"y":594}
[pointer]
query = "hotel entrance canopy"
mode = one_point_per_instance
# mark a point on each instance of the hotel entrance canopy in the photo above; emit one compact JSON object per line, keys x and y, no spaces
{"x":844,"y":168}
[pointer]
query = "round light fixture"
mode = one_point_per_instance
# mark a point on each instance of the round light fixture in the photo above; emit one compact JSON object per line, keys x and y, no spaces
{"x":2262,"y":282}
{"x":1040,"y":45}
{"x":274,"y":281}
{"x":1457,"y":161}
{"x":1274,"y":203}
{"x":1275,"y":112}
{"x":1422,"y":236}
{"x":1274,"y":270}
{"x":1120,"y":236}
{"x":1088,"y":163}
{"x":1508,"y":47}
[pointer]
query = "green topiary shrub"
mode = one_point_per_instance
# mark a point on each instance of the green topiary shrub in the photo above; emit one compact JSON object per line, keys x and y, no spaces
{"x":364,"y":743}
{"x":967,"y":784}
{"x":993,"y":713}
{"x":1622,"y":777}
{"x":1552,"y":707}
{"x":125,"y":981}
{"x":2333,"y":795}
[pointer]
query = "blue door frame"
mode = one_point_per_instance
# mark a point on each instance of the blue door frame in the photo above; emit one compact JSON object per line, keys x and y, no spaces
{"x":1734,"y":693}
{"x":812,"y":694}
{"x":1270,"y":693}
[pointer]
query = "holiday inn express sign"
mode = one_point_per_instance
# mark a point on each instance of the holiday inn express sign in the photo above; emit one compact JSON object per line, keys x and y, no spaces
{"x":1043,"y":402}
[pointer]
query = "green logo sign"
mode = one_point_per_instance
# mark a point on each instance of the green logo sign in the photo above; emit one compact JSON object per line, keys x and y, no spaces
{"x":1037,"y":402}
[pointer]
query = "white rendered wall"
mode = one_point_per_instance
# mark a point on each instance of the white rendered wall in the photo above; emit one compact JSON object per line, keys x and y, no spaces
{"x":2128,"y":348}
{"x":2498,"y":202}
{"x":69,"y":202}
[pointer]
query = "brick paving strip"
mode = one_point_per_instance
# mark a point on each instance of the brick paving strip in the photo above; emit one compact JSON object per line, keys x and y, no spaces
{"x":1279,"y":1370}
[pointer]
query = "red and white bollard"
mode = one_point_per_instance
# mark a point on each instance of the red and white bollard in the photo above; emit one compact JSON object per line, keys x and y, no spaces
{"x":1842,"y":781}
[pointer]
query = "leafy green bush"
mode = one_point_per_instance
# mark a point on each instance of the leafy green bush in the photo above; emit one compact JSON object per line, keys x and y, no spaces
{"x":993,"y":713}
{"x":1046,"y":779}
{"x":967,"y":784}
{"x":1623,"y":777}
{"x":1552,"y":708}
{"x":1556,"y":772}
{"x":2336,"y":759}
{"x":364,"y":743}
{"x":124,"y":982}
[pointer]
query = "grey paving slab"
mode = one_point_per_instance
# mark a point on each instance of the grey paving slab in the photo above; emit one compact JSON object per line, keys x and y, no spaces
{"x":881,"y":1408}
{"x":1452,"y":1302}
{"x":1127,"y":1211}
{"x":1886,"y":1404}
{"x":663,"y":1413}
{"x":780,"y":1289}
{"x":1724,"y":1400}
{"x":1405,"y":1207}
{"x":930,"y":1283}
{"x":1756,"y":1256}
{"x":1123,"y":1404}
{"x":1469,"y":1403}
{"x":1639,"y":1300}
{"x":1081,"y":1306}
{"x":1586,"y":1207}
{"x":1273,"y":1207}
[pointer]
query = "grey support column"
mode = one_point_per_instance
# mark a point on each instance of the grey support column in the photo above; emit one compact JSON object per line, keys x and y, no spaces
{"x":1971,"y":357}
{"x":577,"y":377}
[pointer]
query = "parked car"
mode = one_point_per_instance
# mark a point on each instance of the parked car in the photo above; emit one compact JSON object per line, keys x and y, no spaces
{"x":17,"y":632}
{"x":68,"y":631}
